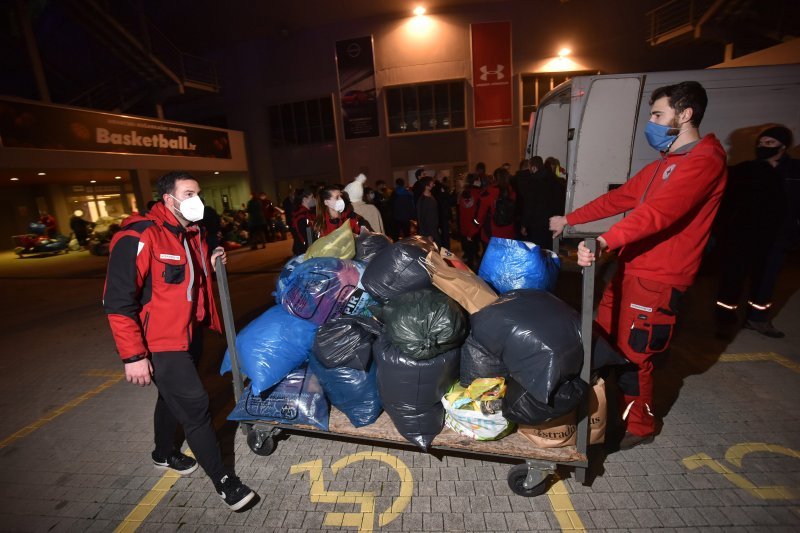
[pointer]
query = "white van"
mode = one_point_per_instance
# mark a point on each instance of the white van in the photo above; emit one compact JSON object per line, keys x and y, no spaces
{"x":595,"y":124}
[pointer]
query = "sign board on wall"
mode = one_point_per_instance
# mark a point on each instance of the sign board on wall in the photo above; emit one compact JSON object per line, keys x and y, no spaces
{"x":357,"y":94}
{"x":33,"y":125}
{"x":491,"y":74}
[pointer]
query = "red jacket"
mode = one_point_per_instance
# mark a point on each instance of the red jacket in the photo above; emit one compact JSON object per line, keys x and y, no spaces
{"x":158,"y":286}
{"x":303,"y":218}
{"x":672,"y":203}
{"x":486,"y":214}
{"x":332,"y":225}
{"x":468,"y":212}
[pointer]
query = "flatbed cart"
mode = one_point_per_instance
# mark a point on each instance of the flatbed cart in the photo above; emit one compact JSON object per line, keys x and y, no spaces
{"x":530,"y":478}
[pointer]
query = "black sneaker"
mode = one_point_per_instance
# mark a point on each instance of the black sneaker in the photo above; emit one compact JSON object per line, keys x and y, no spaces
{"x":235,"y":493}
{"x":177,"y":462}
{"x":630,"y":440}
{"x":765,"y":328}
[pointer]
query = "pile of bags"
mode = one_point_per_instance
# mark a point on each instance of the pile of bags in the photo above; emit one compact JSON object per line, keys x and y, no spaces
{"x":372,"y":325}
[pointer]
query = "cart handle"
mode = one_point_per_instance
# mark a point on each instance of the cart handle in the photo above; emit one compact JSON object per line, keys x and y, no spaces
{"x":230,"y":326}
{"x":587,"y":309}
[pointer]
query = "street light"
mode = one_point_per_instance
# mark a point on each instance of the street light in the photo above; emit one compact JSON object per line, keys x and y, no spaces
{"x":419,"y":11}
{"x":564,"y":52}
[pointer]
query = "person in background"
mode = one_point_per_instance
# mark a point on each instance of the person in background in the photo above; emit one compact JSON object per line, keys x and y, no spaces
{"x":542,"y":196}
{"x":355,"y":190}
{"x":445,"y":200}
{"x":50,"y":225}
{"x":670,"y":205}
{"x":269,"y":212}
{"x":303,"y":216}
{"x":159,"y":298}
{"x":80,"y":227}
{"x":554,"y":165}
{"x":213,"y":225}
{"x":403,"y":209}
{"x":417,"y":188}
{"x":256,"y":223}
{"x":497,"y":207}
{"x":761,"y":208}
{"x":428,"y":212}
{"x":383,"y":193}
{"x":468,"y":225}
{"x":479,"y":174}
{"x":332,"y":214}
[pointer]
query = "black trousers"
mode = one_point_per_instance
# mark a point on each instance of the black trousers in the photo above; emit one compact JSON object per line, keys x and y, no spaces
{"x":762,"y":268}
{"x":183,"y":401}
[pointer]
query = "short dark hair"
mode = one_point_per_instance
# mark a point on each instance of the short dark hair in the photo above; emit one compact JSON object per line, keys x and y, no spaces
{"x":418,"y":172}
{"x":538,"y":162}
{"x":481,"y":165}
{"x":166,"y":183}
{"x":682,"y":96}
{"x":399,"y":182}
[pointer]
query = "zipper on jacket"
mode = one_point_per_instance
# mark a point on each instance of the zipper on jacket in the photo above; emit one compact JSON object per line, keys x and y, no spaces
{"x":145,"y":322}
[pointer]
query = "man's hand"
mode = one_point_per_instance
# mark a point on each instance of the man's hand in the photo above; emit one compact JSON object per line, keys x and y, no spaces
{"x":557,"y":225}
{"x":219,"y":251}
{"x":139,"y":373}
{"x":585,"y":257}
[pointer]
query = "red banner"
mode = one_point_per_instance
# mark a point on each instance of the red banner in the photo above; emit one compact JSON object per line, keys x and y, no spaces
{"x":491,"y":74}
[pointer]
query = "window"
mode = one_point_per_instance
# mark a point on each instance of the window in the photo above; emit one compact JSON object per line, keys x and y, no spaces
{"x":304,"y":122}
{"x":426,"y":107}
{"x":536,"y":86}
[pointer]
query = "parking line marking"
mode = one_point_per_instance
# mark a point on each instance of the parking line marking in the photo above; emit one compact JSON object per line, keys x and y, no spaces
{"x":565,"y":513}
{"x":75,"y":402}
{"x":760,"y":356}
{"x":146,"y":505}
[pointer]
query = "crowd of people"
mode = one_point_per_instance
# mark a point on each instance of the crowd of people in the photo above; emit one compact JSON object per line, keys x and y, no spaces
{"x":474,"y":208}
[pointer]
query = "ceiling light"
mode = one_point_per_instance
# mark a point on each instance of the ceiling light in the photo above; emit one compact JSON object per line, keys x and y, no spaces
{"x":14,"y":179}
{"x":92,"y":181}
{"x":42,"y":174}
{"x":117,"y":177}
{"x":217,"y":172}
{"x":564,"y":52}
{"x":419,"y":11}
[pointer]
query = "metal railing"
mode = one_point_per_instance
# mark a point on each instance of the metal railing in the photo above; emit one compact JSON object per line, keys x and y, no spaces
{"x":675,"y":18}
{"x":188,"y":68}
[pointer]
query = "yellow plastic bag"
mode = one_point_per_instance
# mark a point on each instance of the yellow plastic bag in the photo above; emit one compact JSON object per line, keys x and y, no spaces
{"x":340,"y":243}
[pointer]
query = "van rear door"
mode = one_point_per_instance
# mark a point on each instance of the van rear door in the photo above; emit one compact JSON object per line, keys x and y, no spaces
{"x":547,"y":136}
{"x":602,"y":141}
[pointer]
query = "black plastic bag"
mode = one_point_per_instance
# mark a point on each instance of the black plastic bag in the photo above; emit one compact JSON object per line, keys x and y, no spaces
{"x":521,"y":407}
{"x":368,"y":245}
{"x":411,"y":390}
{"x":537,"y":336}
{"x":346,"y":341}
{"x":395,"y":270}
{"x":477,"y":362}
{"x":353,"y":392}
{"x":424,"y":323}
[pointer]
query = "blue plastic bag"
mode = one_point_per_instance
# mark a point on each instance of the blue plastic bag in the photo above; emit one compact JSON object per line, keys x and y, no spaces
{"x":354,"y":392}
{"x":509,"y":264}
{"x":271,"y":346}
{"x":297,"y":399}
{"x":283,"y":278}
{"x":319,"y":289}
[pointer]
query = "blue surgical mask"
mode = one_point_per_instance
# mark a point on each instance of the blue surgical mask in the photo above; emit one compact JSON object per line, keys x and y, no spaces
{"x":658,"y":136}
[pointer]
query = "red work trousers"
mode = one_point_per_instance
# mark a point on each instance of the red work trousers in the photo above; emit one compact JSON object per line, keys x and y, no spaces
{"x":639,"y":314}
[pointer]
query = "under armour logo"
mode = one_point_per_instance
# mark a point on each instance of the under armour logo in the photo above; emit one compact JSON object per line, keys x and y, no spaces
{"x":668,"y":172}
{"x":498,"y":73}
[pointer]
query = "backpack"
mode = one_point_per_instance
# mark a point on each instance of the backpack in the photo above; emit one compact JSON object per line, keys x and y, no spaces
{"x":503,"y":210}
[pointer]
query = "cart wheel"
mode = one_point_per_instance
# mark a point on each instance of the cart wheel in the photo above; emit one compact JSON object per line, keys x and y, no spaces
{"x":516,"y":482}
{"x":260,"y":443}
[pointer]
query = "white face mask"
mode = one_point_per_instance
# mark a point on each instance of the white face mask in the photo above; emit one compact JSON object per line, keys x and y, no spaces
{"x":191,"y":208}
{"x":338,"y":206}
{"x":310,"y":203}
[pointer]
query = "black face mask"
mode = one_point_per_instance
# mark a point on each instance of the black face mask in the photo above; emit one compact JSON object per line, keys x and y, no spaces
{"x":767,"y":152}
